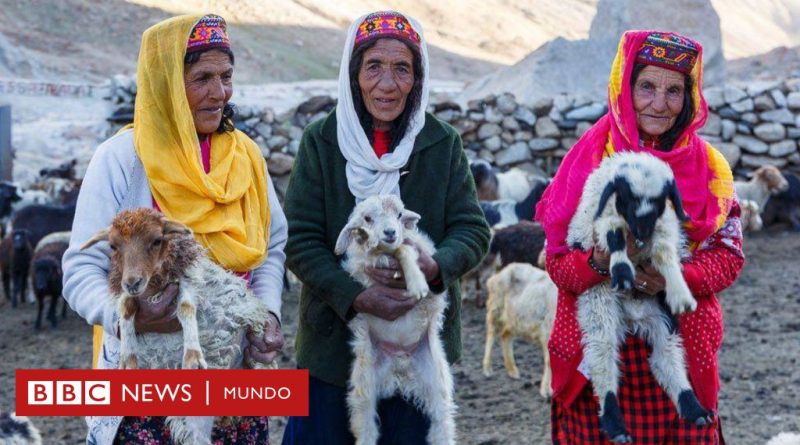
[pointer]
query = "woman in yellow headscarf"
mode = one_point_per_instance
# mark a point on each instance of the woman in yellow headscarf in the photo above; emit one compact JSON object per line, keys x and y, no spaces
{"x":184,"y":157}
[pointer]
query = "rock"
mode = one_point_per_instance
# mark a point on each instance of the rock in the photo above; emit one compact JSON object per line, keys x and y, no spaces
{"x":567,"y":143}
{"x":510,"y":124}
{"x":733,"y":94}
{"x":783,"y":148}
{"x":476,"y":116}
{"x":446,"y":105}
{"x":713,"y":125}
{"x":523,"y":136}
{"x":486,"y":155}
{"x":555,"y":115}
{"x":758,"y":87}
{"x":318,"y":116}
{"x":244,"y":112}
{"x":794,"y":158}
{"x":590,"y":112}
{"x":542,"y":106}
{"x":279,"y":164}
{"x":542,"y":144}
{"x":752,"y":161}
{"x":474,"y":146}
{"x":546,"y":128}
{"x":525,"y":116}
{"x":295,"y":133}
{"x":770,"y":132}
{"x":447,"y":115}
{"x":567,"y":124}
{"x":778,"y":97}
{"x":792,"y":84}
{"x":781,"y":115}
{"x":518,"y":152}
{"x":293,"y":147}
{"x":507,"y":137}
{"x":252,"y":122}
{"x":466,"y":126}
{"x":731,"y":152}
{"x":714,"y":97}
{"x":729,"y":113}
{"x":793,"y":100}
{"x":764,"y":103}
{"x":265,"y":130}
{"x":728,"y":129}
{"x":493,"y":143}
{"x":750,"y":118}
{"x":316,"y":104}
{"x":475,"y":105}
{"x":562,"y":103}
{"x":750,"y":144}
{"x":506,"y":103}
{"x":277,"y":142}
{"x":488,"y":130}
{"x":582,"y":128}
{"x":493,"y":116}
{"x":743,"y":128}
{"x":743,"y":106}
{"x":793,"y":133}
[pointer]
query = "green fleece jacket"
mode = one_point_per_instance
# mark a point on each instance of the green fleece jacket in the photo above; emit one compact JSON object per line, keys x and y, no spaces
{"x":436,"y":183}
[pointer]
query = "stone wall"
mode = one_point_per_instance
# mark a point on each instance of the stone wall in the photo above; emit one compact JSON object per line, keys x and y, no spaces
{"x":754,"y":125}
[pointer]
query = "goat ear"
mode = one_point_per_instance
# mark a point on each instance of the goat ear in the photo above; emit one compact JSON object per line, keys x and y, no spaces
{"x":346,"y":236}
{"x":174,"y":228}
{"x":611,"y":187}
{"x":96,"y":238}
{"x":677,"y":203}
{"x":410,"y":219}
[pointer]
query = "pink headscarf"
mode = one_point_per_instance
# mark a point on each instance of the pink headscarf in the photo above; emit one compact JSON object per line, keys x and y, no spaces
{"x":703,"y":176}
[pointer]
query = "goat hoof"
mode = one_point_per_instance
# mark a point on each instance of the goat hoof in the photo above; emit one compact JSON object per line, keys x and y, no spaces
{"x":129,"y":362}
{"x":622,"y":438}
{"x":487,"y":372}
{"x":193,"y":359}
{"x":513,"y":373}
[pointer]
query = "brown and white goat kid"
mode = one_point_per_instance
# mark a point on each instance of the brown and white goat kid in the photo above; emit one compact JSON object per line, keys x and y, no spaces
{"x":215,"y":308}
{"x":404,"y":356}
{"x":627,"y":196}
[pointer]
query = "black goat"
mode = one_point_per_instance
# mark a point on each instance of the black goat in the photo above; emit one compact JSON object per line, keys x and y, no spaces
{"x":6,"y":246}
{"x":519,"y":243}
{"x":46,"y":276}
{"x":507,"y":212}
{"x":63,"y":171}
{"x":41,"y":220}
{"x":21,"y":254}
{"x":785,"y":206}
{"x":9,"y":194}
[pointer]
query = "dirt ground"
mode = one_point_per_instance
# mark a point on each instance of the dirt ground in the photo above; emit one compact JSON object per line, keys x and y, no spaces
{"x":758,"y":361}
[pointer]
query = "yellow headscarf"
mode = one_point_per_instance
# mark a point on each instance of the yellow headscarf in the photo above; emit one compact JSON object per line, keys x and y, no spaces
{"x":228,"y":208}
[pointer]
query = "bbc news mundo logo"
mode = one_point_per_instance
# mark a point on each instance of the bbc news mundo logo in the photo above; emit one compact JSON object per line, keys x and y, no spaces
{"x":106,"y":392}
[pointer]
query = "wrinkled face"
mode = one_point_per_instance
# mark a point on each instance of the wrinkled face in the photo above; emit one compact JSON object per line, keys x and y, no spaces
{"x":139,"y":256}
{"x":209,"y":86}
{"x":385,"y":78}
{"x":657,"y":99}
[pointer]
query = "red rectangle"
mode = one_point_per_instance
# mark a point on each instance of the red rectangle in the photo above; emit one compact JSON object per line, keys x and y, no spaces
{"x":151,"y":392}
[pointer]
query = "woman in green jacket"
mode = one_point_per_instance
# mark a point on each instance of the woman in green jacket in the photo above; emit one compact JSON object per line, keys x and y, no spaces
{"x":379,"y":140}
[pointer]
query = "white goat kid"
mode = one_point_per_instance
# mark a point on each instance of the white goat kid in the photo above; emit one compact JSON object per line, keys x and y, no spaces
{"x":404,"y":356}
{"x":628,"y":193}
{"x":215,"y":307}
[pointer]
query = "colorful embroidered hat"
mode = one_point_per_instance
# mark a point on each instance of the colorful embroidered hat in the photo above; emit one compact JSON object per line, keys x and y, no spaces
{"x":209,"y":32}
{"x":385,"y":24}
{"x":669,"y":51}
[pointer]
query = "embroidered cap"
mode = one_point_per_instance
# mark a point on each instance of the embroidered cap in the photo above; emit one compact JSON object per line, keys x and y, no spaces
{"x":669,"y":51}
{"x":385,"y":24}
{"x":209,"y":32}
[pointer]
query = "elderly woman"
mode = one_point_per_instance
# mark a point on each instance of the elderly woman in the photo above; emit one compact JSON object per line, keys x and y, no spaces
{"x":655,"y":106}
{"x":379,"y":140}
{"x":184,"y":157}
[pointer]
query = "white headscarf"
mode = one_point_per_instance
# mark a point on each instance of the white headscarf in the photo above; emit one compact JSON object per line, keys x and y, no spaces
{"x":366,"y":174}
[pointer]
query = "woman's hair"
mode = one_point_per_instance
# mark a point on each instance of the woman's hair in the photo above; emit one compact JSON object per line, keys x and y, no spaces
{"x":229,"y":110}
{"x":400,"y":125}
{"x":668,"y":139}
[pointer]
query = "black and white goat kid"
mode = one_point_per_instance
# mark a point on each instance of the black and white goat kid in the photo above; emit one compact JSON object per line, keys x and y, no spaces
{"x":406,"y":355}
{"x":627,"y":196}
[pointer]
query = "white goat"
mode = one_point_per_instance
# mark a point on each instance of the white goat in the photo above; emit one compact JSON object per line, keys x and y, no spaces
{"x":627,"y":196}
{"x":521,"y":303}
{"x":751,"y":216}
{"x":215,"y":307}
{"x":785,"y":438}
{"x":404,"y":356}
{"x":765,"y":181}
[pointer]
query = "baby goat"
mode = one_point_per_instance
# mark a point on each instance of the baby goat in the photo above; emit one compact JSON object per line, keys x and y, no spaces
{"x":214,"y":307}
{"x":406,"y":355}
{"x":627,"y":196}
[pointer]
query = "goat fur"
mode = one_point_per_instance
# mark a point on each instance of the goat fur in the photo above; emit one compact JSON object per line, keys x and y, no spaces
{"x":18,"y":430}
{"x":621,"y":198}
{"x":521,"y":303}
{"x":404,"y":356}
{"x":224,"y":309}
{"x":765,"y":181}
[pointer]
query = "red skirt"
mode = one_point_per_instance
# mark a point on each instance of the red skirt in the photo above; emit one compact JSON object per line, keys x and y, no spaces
{"x":650,"y":416}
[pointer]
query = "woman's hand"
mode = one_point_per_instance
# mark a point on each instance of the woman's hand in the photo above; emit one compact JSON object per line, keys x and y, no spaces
{"x":384,"y":302}
{"x":264,"y":348}
{"x":160,"y":316}
{"x":649,"y":280}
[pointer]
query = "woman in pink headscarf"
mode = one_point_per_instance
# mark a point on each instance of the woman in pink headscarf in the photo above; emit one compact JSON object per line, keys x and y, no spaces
{"x":655,"y":106}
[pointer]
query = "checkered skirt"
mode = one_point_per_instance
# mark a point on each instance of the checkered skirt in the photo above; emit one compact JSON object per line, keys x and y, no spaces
{"x":649,"y":414}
